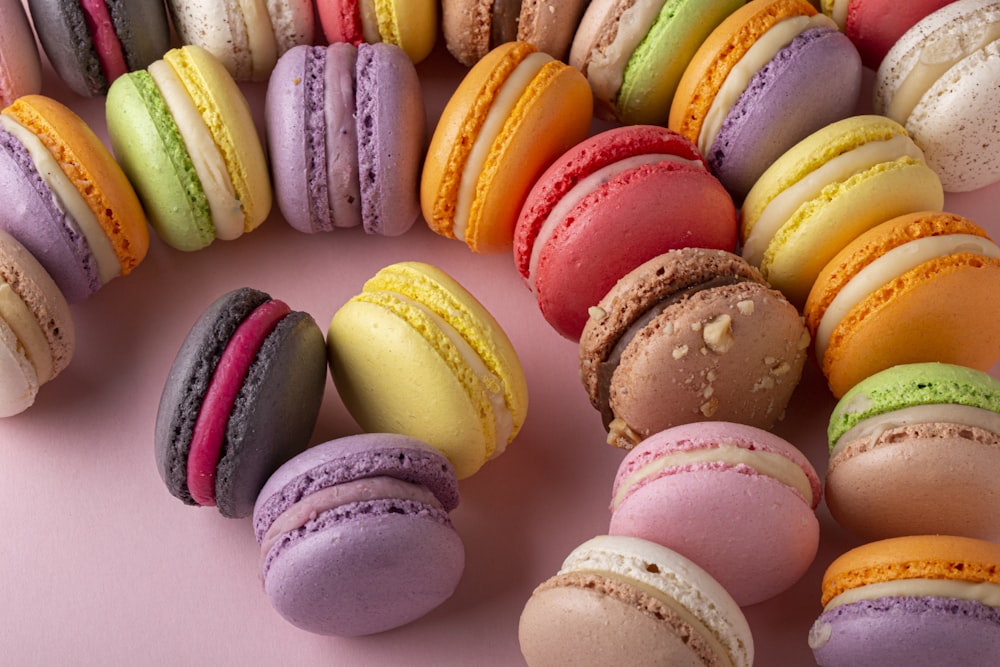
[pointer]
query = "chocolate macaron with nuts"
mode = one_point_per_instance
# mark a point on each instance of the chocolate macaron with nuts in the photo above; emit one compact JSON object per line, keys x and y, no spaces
{"x":691,"y":335}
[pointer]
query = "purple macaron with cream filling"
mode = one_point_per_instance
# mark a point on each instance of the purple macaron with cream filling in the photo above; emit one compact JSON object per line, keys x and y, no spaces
{"x":345,"y":128}
{"x":356,"y":536}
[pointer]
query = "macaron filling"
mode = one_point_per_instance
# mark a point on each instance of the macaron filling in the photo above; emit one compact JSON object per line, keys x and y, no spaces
{"x":605,"y":69}
{"x":30,"y":337}
{"x":208,"y":436}
{"x":753,"y":461}
{"x":938,"y":54}
{"x":105,"y":38}
{"x":983,"y":592}
{"x":66,"y":195}
{"x":837,"y":10}
{"x":260,"y":38}
{"x":341,"y":132}
{"x":838,"y":169}
{"x":20,"y":382}
{"x":209,"y":165}
{"x":506,"y":99}
{"x":377,"y":21}
{"x":584,"y":187}
{"x":297,"y":515}
{"x":760,"y":53}
{"x":891,"y":265}
{"x":872,"y":428}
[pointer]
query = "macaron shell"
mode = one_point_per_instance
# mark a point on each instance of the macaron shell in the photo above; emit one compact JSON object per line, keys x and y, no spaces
{"x":20,"y":65}
{"x":907,"y":632}
{"x":466,"y":26}
{"x":387,"y":569}
{"x":340,"y":20}
{"x":415,"y":27}
{"x":875,"y":25}
{"x":917,"y":480}
{"x":550,"y":26}
{"x":66,"y":41}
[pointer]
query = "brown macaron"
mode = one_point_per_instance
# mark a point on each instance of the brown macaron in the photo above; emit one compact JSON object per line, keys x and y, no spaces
{"x":691,"y":335}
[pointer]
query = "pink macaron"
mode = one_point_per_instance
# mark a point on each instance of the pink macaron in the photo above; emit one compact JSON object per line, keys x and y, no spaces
{"x":875,"y":25}
{"x":737,"y":500}
{"x":606,"y":206}
{"x":20,"y":65}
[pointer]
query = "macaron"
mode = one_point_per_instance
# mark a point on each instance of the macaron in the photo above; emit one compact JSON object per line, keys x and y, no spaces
{"x":873,"y":26}
{"x":634,"y":53}
{"x":625,"y":195}
{"x":770,"y":74}
{"x":691,"y":335}
{"x":415,"y":353}
{"x":355,"y":534}
{"x":90,"y":44}
{"x":472,"y":28}
{"x":184,"y":134}
{"x":827,"y":189}
{"x":913,"y":451}
{"x":919,"y":287}
{"x":411,"y":25}
{"x":20,"y":64}
{"x":941,"y":81}
{"x":241,"y":398}
{"x":68,"y":201}
{"x":911,"y":601}
{"x":246,"y":37}
{"x":512,"y":115}
{"x":37,"y":333}
{"x":627,"y":601}
{"x":345,"y":132}
{"x":737,"y":500}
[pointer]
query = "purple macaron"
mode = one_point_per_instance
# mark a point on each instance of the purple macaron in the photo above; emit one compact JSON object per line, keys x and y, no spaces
{"x":356,"y":537}
{"x":345,"y":129}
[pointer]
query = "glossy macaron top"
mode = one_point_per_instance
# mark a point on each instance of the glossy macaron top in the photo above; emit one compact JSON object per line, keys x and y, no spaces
{"x":626,"y":195}
{"x":247,"y":38}
{"x":634,"y":53}
{"x":90,"y":44}
{"x":186,"y":115}
{"x":411,"y":25}
{"x":909,"y":385}
{"x":511,"y":116}
{"x":415,"y":353}
{"x":924,"y":558}
{"x":100,"y":217}
{"x":20,"y":65}
{"x":940,"y":80}
{"x":827,"y":189}
{"x":619,"y":598}
{"x":914,"y":288}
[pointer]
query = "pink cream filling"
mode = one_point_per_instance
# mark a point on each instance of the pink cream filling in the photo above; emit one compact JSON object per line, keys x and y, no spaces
{"x":231,"y":371}
{"x":369,"y":488}
{"x":106,"y":42}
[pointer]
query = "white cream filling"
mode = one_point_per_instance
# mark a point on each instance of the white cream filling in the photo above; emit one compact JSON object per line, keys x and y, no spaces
{"x":938,"y":54}
{"x":836,"y":170}
{"x":260,"y":38}
{"x":20,"y":382}
{"x":889,"y":266}
{"x":583,"y":188}
{"x":68,"y":199}
{"x":209,"y":164}
{"x":934,"y":413}
{"x":984,"y":592}
{"x":837,"y":10}
{"x":760,"y":53}
{"x":772,"y":465}
{"x":29,"y":334}
{"x":369,"y":21}
{"x":504,"y":102}
{"x":606,"y":70}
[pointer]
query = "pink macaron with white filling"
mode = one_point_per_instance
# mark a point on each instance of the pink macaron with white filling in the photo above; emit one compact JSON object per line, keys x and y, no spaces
{"x":737,"y":500}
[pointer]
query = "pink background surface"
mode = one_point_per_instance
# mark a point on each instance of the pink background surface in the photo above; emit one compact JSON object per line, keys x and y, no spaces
{"x":100,"y":565}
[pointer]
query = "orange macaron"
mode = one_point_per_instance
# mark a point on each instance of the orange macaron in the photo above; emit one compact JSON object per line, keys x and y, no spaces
{"x":919,"y":287}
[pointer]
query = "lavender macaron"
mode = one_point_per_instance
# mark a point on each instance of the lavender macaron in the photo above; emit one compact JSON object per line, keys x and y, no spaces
{"x":356,"y":537}
{"x":345,"y":130}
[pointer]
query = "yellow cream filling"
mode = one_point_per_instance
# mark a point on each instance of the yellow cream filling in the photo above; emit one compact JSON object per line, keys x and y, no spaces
{"x":224,"y":206}
{"x":937,"y":55}
{"x":757,"y":56}
{"x":29,"y":334}
{"x":260,"y":37}
{"x":504,"y":102}
{"x":770,"y":464}
{"x":68,"y":199}
{"x":889,"y":266}
{"x":781,"y":208}
{"x":584,"y":187}
{"x":935,"y":413}
{"x":984,"y":592}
